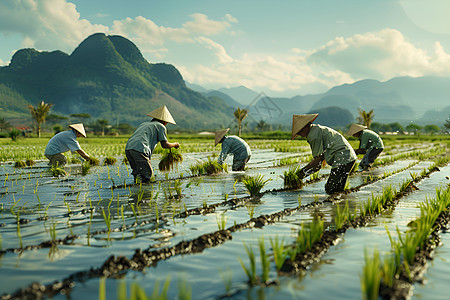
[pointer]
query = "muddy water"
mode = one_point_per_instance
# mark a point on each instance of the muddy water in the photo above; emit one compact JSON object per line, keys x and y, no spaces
{"x":201,"y":271}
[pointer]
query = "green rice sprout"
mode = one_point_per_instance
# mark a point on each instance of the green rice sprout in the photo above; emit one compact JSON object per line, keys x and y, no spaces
{"x":227,"y":278}
{"x":341,"y":216}
{"x":251,"y":210}
{"x":221,"y":221}
{"x":170,"y":158}
{"x":309,"y":234}
{"x":20,"y":164}
{"x":93,"y":161}
{"x":209,"y":167}
{"x":251,"y":270}
{"x":371,"y":275}
{"x":255,"y":184}
{"x":109,"y":160}
{"x":107,"y":219}
{"x":265,"y":263}
{"x":184,"y":290}
{"x":85,"y":168}
{"x":58,"y":171}
{"x":29,"y":162}
{"x":291,"y":178}
{"x":279,"y":252}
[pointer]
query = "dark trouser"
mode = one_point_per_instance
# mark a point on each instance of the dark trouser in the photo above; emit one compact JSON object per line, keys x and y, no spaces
{"x":140,"y":163}
{"x":57,"y":159}
{"x":338,"y":178}
{"x":370,"y":157}
{"x":239,"y":165}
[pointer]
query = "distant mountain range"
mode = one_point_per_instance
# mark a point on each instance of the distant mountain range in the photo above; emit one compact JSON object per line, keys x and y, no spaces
{"x":107,"y":77}
{"x":423,"y":100}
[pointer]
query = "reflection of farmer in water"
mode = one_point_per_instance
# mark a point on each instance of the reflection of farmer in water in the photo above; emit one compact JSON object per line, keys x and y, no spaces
{"x":63,"y":142}
{"x":326,"y":144}
{"x":370,"y":144}
{"x":143,"y":141}
{"x":234,"y":145}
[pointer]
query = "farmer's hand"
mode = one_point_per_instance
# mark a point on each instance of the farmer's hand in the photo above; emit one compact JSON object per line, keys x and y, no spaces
{"x":177,"y":145}
{"x":301,"y":174}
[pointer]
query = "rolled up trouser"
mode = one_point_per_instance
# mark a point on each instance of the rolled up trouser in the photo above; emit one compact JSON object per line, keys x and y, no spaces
{"x":56,"y":159}
{"x":140,"y":163}
{"x":370,"y":157}
{"x":338,"y":178}
{"x":239,"y":165}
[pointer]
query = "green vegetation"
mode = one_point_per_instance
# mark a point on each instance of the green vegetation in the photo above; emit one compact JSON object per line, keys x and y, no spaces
{"x":109,"y":160}
{"x":255,"y":184}
{"x":291,"y":178}
{"x":209,"y":167}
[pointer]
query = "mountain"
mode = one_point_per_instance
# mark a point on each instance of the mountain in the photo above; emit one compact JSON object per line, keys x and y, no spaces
{"x":241,"y":94}
{"x":107,"y":77}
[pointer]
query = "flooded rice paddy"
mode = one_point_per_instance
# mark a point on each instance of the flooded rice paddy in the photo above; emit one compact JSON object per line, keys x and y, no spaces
{"x":74,"y":236}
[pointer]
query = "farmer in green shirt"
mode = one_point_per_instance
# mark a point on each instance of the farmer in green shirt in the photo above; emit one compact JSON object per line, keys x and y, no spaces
{"x":326,"y":144}
{"x":143,"y":141}
{"x":370,"y":144}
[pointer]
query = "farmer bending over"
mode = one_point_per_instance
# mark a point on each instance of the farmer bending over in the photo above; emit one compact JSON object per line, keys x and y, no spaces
{"x":141,"y":144}
{"x":326,"y":144}
{"x":370,"y":144}
{"x":234,"y":145}
{"x":63,"y":142}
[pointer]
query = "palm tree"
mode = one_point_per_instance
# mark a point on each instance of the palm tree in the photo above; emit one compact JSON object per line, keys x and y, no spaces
{"x":4,"y":124}
{"x":39,"y":114}
{"x":240,"y":115}
{"x":365,"y":118}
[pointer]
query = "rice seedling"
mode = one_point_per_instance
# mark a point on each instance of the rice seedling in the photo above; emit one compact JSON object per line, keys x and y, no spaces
{"x":20,"y":164}
{"x":251,"y":210}
{"x":255,"y":184}
{"x":107,"y":219}
{"x":341,"y":215}
{"x":291,"y":178}
{"x":170,"y":158}
{"x":265,"y":263}
{"x":371,"y":275}
{"x":57,"y":171}
{"x":221,"y":220}
{"x":279,"y":252}
{"x":251,"y":270}
{"x":109,"y":161}
{"x":227,"y":278}
{"x":184,"y":290}
{"x":93,"y":161}
{"x":29,"y":162}
{"x":309,"y":234}
{"x":207,"y":168}
{"x":125,"y":161}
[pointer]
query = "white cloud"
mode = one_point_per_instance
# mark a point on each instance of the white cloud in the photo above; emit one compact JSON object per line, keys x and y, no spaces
{"x":380,"y":55}
{"x":3,"y":63}
{"x":202,"y":25}
{"x":46,"y":24}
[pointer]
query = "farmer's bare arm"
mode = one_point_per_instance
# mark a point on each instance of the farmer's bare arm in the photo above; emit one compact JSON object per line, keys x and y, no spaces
{"x":83,"y":154}
{"x":166,"y":144}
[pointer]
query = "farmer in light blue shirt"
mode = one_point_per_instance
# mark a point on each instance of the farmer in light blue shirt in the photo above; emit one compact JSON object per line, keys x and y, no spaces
{"x":234,"y":145}
{"x":143,"y":141}
{"x":63,"y":142}
{"x":370,"y":144}
{"x":326,"y":144}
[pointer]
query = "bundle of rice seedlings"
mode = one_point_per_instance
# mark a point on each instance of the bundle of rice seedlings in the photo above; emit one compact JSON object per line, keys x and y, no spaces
{"x":85,"y":167}
{"x":291,"y":178}
{"x":74,"y":160}
{"x":109,"y":160}
{"x":93,"y":161}
{"x":29,"y":162}
{"x":255,"y":184}
{"x":209,"y":167}
{"x":20,"y":164}
{"x":170,"y":158}
{"x":57,"y":171}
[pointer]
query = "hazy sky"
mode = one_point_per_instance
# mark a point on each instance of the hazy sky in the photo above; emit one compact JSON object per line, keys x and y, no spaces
{"x":279,"y":47}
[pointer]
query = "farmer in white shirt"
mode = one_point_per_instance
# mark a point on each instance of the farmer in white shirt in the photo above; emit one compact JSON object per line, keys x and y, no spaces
{"x":65,"y":141}
{"x":234,"y":145}
{"x":370,"y":144}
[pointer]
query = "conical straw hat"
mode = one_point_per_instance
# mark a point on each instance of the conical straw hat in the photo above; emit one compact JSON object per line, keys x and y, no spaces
{"x":79,"y":127}
{"x":219,"y":135}
{"x":162,"y":114}
{"x":355,"y":128}
{"x":299,"y":121}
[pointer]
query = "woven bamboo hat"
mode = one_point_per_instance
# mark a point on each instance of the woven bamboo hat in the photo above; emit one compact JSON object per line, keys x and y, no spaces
{"x":299,"y":121}
{"x":79,"y":128}
{"x":355,"y":128}
{"x":219,"y":135}
{"x":162,"y":114}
